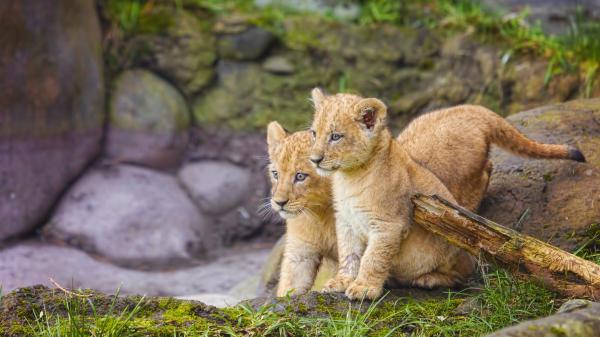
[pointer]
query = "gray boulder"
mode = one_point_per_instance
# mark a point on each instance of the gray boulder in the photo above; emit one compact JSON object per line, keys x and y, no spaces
{"x":51,"y":104}
{"x":563,"y":197}
{"x":250,"y":44}
{"x":149,"y":120}
{"x":32,"y":262}
{"x":245,"y":152}
{"x":225,"y":192}
{"x":132,"y":216}
{"x":216,"y":187}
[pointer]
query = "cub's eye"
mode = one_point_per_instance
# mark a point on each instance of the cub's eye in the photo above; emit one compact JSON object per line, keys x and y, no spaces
{"x":336,"y":136}
{"x":300,"y":176}
{"x":313,"y":134}
{"x":275,"y":174}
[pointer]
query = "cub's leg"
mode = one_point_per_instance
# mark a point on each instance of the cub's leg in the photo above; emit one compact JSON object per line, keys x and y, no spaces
{"x":472,"y":192}
{"x":350,"y":250}
{"x":298,"y":268}
{"x":383,"y":246}
{"x":450,"y":274}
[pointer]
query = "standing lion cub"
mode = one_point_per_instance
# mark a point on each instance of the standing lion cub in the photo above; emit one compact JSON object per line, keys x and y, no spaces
{"x":375,"y":177}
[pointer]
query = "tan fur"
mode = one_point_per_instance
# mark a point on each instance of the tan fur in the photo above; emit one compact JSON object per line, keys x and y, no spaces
{"x":375,"y":177}
{"x":452,"y":143}
{"x":310,"y":222}
{"x":310,"y":234}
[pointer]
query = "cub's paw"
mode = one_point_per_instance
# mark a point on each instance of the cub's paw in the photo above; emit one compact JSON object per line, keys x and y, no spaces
{"x":337,"y":284}
{"x":433,"y":280}
{"x":359,"y":290}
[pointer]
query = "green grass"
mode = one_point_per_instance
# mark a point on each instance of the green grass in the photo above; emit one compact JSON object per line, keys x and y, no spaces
{"x":82,"y":319}
{"x":577,"y":51}
{"x":590,"y":249}
{"x":500,"y":301}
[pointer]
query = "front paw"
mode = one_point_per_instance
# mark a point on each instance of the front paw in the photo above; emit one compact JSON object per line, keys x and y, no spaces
{"x":337,"y":284}
{"x":359,"y":290}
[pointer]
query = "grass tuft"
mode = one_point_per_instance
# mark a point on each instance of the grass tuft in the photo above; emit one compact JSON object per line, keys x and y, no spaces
{"x":82,"y":319}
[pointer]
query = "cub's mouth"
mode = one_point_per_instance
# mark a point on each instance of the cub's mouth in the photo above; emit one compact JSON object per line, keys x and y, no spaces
{"x":323,"y":172}
{"x":287,"y":214}
{"x":326,"y":171}
{"x":284,"y":212}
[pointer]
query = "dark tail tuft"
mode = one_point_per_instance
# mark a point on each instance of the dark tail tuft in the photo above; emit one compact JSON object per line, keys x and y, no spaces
{"x":575,"y":154}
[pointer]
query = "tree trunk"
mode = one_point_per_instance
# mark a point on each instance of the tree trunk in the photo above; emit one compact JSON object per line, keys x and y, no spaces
{"x":524,"y":256}
{"x":580,"y":323}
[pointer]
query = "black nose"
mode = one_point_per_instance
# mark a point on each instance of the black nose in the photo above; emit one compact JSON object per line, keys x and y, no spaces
{"x":316,"y":160}
{"x":281,"y":203}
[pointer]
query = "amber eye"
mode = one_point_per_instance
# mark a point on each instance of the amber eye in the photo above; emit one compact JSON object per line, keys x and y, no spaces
{"x":275,"y":174}
{"x":300,"y":176}
{"x":336,"y":136}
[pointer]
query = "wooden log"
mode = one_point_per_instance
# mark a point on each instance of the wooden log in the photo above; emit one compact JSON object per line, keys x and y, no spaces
{"x":524,"y":256}
{"x":584,"y":322}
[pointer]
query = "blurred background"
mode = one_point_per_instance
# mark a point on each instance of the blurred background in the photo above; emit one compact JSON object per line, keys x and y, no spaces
{"x":132,"y":150}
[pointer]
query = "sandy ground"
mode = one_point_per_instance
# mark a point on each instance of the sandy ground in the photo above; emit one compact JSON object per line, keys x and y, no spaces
{"x":32,"y":263}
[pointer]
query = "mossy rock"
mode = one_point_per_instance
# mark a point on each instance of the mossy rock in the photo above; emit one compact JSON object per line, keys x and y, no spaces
{"x":176,"y":44}
{"x":156,"y":317}
{"x":22,"y":309}
{"x":562,"y":196}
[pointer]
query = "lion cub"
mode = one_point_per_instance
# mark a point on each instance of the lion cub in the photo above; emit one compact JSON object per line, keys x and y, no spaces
{"x":372,"y":185}
{"x":303,"y":198}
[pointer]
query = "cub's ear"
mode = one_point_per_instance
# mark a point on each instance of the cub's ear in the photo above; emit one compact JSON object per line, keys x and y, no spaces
{"x":275,"y":134}
{"x":370,"y":112}
{"x":317,"y":96}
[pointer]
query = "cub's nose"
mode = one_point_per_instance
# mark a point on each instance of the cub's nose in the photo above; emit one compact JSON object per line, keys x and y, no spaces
{"x":316,"y":159}
{"x":281,"y":203}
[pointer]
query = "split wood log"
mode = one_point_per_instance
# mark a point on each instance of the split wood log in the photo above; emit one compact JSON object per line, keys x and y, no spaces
{"x":522,"y":255}
{"x":584,"y":322}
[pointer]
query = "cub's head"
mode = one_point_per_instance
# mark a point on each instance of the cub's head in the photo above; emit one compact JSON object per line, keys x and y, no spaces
{"x":296,"y":186}
{"x":345,"y":130}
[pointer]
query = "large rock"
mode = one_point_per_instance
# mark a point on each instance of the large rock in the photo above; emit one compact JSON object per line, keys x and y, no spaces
{"x":132,"y":216}
{"x":244,"y":154}
{"x":216,"y":187}
{"x":163,"y":316}
{"x":51,"y":104}
{"x":149,"y":121}
{"x":563,"y":197}
{"x":225,"y":192}
{"x":32,"y":262}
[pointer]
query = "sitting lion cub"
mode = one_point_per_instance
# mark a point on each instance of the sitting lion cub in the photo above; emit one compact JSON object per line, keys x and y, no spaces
{"x":303,"y":198}
{"x":374,"y":180}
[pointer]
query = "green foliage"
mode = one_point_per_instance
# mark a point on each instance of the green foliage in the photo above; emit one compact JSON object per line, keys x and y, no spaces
{"x":125,"y":13}
{"x":590,"y":249}
{"x":83,"y":320}
{"x":576,"y":51}
{"x":499,"y":302}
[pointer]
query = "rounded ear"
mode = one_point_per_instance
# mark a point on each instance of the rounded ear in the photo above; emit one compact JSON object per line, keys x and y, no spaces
{"x":275,"y":134}
{"x":369,"y":112}
{"x":317,"y":96}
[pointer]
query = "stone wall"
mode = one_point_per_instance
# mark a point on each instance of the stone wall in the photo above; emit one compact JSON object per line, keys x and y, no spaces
{"x":181,"y":169}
